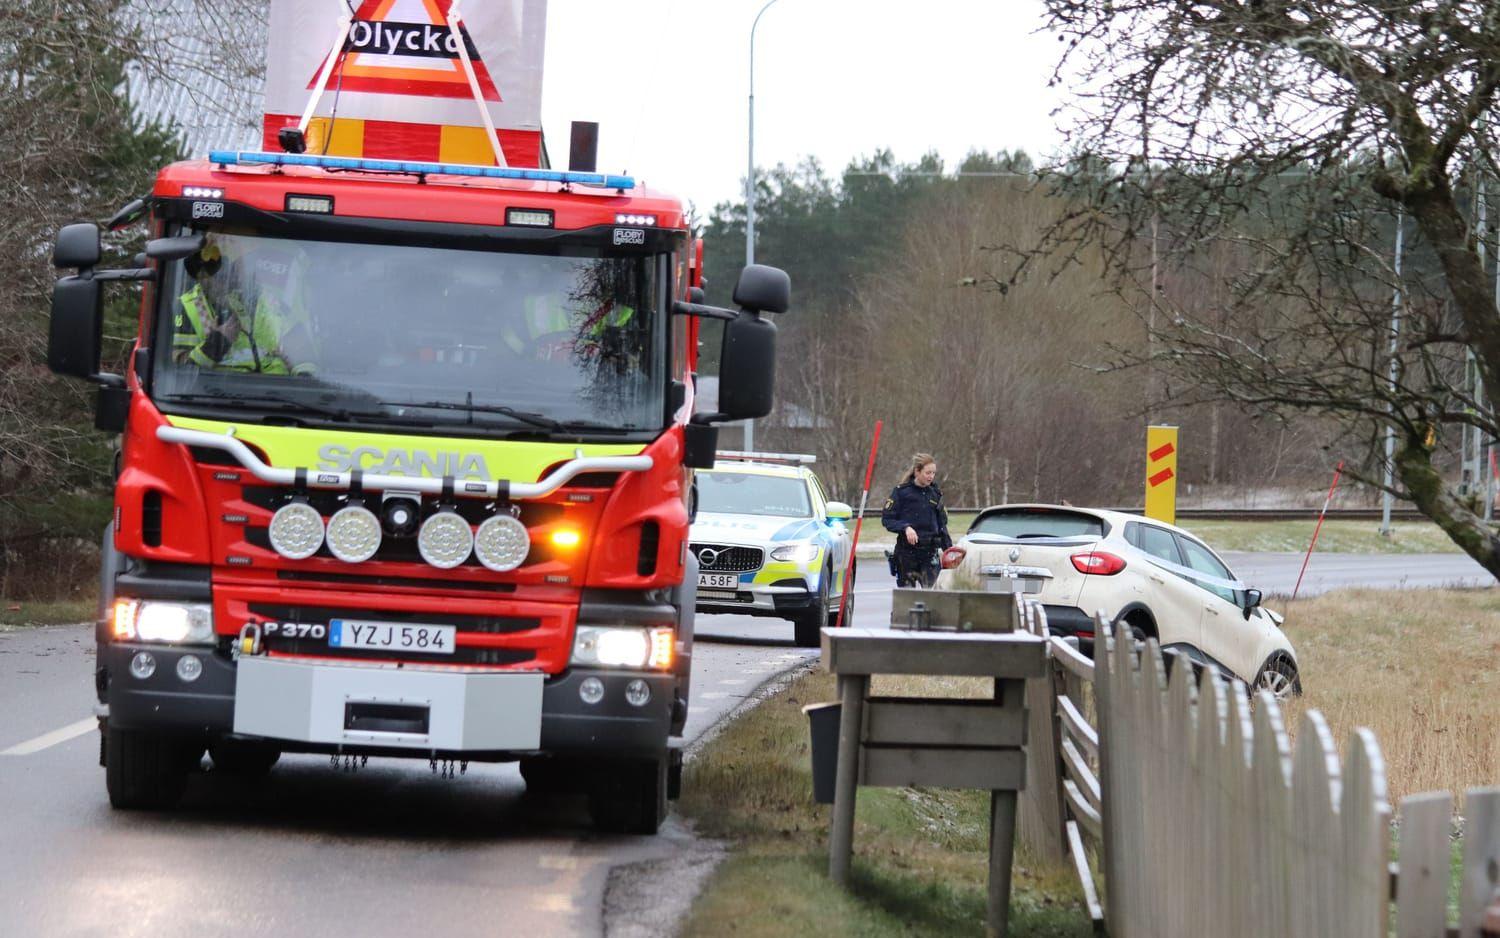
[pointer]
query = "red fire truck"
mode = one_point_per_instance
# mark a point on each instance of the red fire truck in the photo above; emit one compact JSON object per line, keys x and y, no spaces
{"x":405,"y":470}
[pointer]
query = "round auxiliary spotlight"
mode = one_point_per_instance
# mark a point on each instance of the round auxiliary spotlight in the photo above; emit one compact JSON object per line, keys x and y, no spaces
{"x":296,"y":530}
{"x":502,"y":543}
{"x":445,"y":540}
{"x":354,"y":534}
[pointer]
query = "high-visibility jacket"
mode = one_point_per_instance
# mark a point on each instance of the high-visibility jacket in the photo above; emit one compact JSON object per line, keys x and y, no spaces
{"x":544,"y":315}
{"x":257,"y":347}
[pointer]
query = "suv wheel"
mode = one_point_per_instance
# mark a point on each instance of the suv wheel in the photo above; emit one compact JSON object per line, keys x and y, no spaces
{"x":1279,"y":676}
{"x":808,"y":624}
{"x":1138,"y":624}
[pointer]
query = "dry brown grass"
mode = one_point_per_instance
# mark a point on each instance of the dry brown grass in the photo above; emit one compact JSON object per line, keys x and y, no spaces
{"x":1419,"y":667}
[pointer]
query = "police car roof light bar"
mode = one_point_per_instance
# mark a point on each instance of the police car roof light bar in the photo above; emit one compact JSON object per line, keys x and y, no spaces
{"x":251,"y":158}
{"x":800,"y":459}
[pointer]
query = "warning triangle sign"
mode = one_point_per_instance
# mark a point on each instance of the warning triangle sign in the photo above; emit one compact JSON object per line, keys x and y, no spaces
{"x":405,"y":47}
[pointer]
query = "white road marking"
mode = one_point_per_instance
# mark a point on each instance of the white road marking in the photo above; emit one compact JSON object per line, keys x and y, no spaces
{"x":712,"y":696}
{"x":551,"y":862}
{"x":553,"y":902}
{"x":732,"y":681}
{"x":51,"y":739}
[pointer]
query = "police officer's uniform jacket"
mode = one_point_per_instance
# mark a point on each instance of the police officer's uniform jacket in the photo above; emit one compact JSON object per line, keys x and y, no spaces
{"x":921,"y":509}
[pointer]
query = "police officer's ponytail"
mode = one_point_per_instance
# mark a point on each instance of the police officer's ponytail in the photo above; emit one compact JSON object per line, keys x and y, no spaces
{"x":918,"y":460}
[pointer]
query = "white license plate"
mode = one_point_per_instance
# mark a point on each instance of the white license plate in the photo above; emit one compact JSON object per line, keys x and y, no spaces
{"x":1011,"y":584}
{"x":722,"y":581}
{"x":392,"y":636}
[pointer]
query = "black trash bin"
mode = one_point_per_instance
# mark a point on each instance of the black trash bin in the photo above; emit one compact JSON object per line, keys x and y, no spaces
{"x":823,"y":722}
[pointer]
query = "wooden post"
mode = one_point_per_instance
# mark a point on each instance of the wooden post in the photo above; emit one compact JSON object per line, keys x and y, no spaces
{"x":1002,"y":831}
{"x":852,"y":692}
{"x":1002,"y":846}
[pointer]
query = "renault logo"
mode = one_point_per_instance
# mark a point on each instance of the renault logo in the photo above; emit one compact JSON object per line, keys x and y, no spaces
{"x":707,"y":556}
{"x":1015,"y":554}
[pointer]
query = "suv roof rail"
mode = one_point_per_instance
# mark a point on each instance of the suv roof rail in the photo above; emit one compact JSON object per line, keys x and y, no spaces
{"x":796,"y":459}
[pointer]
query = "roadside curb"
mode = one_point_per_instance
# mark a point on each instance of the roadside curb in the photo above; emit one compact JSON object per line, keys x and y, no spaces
{"x":651,"y":898}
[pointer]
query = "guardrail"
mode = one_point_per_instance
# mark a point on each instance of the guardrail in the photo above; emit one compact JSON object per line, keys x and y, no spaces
{"x":1209,"y":822}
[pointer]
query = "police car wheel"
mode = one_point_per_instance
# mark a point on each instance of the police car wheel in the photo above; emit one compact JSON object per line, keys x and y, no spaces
{"x":846,"y":604}
{"x":808,"y":625}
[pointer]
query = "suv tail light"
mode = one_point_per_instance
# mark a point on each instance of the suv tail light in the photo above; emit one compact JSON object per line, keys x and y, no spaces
{"x":1098,"y":562}
{"x":952,"y":557}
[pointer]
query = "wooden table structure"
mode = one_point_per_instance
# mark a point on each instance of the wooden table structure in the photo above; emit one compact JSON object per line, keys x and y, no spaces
{"x":935,"y":742}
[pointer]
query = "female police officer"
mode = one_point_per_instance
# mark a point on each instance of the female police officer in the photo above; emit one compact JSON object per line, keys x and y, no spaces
{"x":915,"y":514}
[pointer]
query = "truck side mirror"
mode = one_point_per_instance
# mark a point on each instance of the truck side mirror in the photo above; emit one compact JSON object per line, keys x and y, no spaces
{"x":77,"y":326}
{"x":747,"y":367}
{"x":77,"y":246}
{"x":174,"y":249}
{"x":763,"y":289}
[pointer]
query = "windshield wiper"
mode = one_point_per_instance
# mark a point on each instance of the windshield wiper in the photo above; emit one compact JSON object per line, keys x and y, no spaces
{"x":281,"y":405}
{"x":535,"y":420}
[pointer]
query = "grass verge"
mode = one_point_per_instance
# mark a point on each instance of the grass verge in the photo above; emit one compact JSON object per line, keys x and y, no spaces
{"x":62,"y":612}
{"x":1337,"y":537}
{"x":920,"y":857}
{"x":1419,"y":667}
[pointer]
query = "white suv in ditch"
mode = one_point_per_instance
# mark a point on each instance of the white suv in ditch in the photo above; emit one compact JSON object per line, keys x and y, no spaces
{"x":1154,"y":578}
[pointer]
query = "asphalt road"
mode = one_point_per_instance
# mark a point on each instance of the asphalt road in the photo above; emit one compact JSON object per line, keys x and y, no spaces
{"x":1275,"y":574}
{"x":391,"y":849}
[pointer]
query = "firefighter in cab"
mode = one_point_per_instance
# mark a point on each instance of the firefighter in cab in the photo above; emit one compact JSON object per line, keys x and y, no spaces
{"x":915,"y":514}
{"x":236,"y":316}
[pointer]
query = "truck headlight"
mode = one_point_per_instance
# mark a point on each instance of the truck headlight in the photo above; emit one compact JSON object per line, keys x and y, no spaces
{"x":798,"y":553}
{"x":175,"y":623}
{"x":624,"y":647}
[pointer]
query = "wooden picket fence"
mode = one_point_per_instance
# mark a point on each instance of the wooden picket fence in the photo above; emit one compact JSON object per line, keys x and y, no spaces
{"x":1206,"y":820}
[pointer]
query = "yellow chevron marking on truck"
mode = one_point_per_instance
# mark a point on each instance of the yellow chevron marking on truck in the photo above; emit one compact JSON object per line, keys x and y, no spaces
{"x":400,"y":454}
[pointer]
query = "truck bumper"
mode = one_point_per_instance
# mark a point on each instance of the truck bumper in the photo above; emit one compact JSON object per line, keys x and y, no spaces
{"x":307,"y":706}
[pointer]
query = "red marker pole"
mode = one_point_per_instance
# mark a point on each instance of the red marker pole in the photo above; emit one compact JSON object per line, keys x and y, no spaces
{"x":859,"y":520}
{"x":1337,"y":471}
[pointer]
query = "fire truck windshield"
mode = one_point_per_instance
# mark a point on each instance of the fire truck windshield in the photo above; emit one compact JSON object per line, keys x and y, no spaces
{"x":400,"y":334}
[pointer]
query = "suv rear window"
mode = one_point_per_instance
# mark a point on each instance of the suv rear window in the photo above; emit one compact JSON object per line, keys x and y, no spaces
{"x":1037,"y":522}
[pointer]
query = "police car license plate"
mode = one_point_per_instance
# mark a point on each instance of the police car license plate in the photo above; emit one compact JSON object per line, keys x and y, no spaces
{"x":723,"y":581}
{"x":392,"y":636}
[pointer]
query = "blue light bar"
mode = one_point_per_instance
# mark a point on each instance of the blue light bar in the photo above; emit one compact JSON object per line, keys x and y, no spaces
{"x":244,"y":158}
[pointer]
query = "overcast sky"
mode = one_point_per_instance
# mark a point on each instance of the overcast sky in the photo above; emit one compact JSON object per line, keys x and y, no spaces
{"x":667,"y":80}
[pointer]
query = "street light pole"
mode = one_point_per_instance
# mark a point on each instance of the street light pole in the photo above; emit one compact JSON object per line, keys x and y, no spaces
{"x":750,"y":188}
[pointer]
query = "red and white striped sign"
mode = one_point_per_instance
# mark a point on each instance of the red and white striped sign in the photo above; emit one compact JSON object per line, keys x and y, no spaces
{"x":399,"y":88}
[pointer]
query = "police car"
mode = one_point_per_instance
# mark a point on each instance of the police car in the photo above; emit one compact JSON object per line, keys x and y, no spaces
{"x":769,"y":542}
